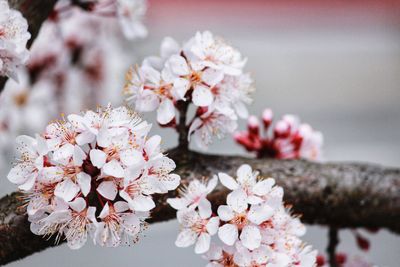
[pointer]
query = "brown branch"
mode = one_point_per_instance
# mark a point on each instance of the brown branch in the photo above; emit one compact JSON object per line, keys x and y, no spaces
{"x":333,"y":242}
{"x":339,"y":195}
{"x":35,"y":12}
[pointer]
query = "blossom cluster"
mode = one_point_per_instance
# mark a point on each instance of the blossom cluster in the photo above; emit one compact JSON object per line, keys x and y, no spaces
{"x":128,"y":13}
{"x":13,"y":38}
{"x":254,"y":228}
{"x":67,"y":71}
{"x":93,"y":175}
{"x":288,"y":138}
{"x":204,"y":71}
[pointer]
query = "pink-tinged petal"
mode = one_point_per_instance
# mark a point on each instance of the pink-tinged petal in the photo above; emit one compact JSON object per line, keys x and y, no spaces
{"x":142,"y":203}
{"x":212,"y":225}
{"x":107,"y":189}
{"x":165,"y":112}
{"x":121,"y":206}
{"x":28,"y":184}
{"x":204,"y":208}
{"x":105,"y":211}
{"x":228,"y":234}
{"x":241,"y":110}
{"x":211,"y":76}
{"x":244,"y":171}
{"x":152,"y":146}
{"x":196,"y":124}
{"x":84,"y":138}
{"x":66,"y":190}
{"x":237,"y":200}
{"x":263,"y":187}
{"x":228,"y":181}
{"x":178,"y":65}
{"x":202,"y":244}
{"x":254,"y":200}
{"x":147,"y":101}
{"x":251,"y":237}
{"x":202,"y":96}
{"x":103,"y":138}
{"x":151,"y":74}
{"x":18,"y":174}
{"x":52,"y":174}
{"x":260,"y":213}
{"x":84,"y":180}
{"x":98,"y":158}
{"x":131,"y":157}
{"x":225,"y":213}
{"x":211,"y":184}
{"x":180,"y":88}
{"x":177,"y":203}
{"x":78,"y":204}
{"x":186,"y":238}
{"x":113,"y":168}
{"x":63,"y":154}
{"x":171,"y":181}
{"x":78,"y":156}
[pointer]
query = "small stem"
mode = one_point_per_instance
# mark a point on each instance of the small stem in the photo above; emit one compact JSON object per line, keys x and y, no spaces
{"x":333,"y":241}
{"x":182,"y":128}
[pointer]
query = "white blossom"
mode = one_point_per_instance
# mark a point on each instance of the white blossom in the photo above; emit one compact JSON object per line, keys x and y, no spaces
{"x":14,"y":36}
{"x":90,"y":161}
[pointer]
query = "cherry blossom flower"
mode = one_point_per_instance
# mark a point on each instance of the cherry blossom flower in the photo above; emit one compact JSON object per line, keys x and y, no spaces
{"x":204,"y":71}
{"x":197,"y":227}
{"x":14,"y":36}
{"x":256,"y":233}
{"x":193,"y":194}
{"x":93,"y":175}
{"x":290,"y":139}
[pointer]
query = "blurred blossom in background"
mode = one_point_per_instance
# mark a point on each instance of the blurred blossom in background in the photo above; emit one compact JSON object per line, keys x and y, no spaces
{"x":336,"y":64}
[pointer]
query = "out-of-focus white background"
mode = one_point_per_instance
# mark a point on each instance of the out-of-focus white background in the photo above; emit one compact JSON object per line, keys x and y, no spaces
{"x":336,"y":65}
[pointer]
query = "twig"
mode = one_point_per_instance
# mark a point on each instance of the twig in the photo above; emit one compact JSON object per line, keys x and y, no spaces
{"x":182,"y":128}
{"x":333,"y":241}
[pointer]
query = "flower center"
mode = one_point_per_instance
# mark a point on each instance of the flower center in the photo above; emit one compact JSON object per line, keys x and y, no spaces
{"x":240,"y":220}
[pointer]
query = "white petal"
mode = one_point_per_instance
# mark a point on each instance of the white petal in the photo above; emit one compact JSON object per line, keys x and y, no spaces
{"x":64,"y":153}
{"x":204,"y":208}
{"x":244,"y":171}
{"x":212,"y":183}
{"x":263,"y":187}
{"x":84,"y":180}
{"x":113,"y":168}
{"x":227,"y":181}
{"x":250,"y":237}
{"x":212,"y":225}
{"x":185,"y":238}
{"x":228,"y":234}
{"x":180,"y":88}
{"x":78,"y":156}
{"x":178,"y":65}
{"x":66,"y":190}
{"x":202,"y":96}
{"x":165,"y":112}
{"x":237,"y":200}
{"x":177,"y":203}
{"x":105,"y":211}
{"x":107,"y":189}
{"x":152,"y":146}
{"x":260,"y":213}
{"x":148,"y":101}
{"x":211,"y":77}
{"x":85,"y":137}
{"x":131,"y":157}
{"x":225,"y":213}
{"x":142,"y":203}
{"x":98,"y":158}
{"x":104,"y":138}
{"x":202,"y":244}
{"x":78,"y":205}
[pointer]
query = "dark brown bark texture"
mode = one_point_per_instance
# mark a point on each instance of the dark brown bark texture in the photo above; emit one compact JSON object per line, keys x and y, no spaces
{"x":35,"y":12}
{"x":339,"y":195}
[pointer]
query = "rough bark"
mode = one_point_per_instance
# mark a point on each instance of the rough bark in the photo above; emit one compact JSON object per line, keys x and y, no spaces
{"x":35,"y":12}
{"x":339,"y":195}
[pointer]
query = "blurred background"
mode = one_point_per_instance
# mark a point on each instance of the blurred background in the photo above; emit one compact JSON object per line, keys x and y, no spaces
{"x":336,"y":64}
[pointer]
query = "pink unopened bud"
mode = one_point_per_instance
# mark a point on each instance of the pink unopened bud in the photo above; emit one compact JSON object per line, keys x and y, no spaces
{"x":253,"y":126}
{"x":282,"y":129}
{"x":267,"y":116}
{"x":201,"y":110}
{"x":362,"y":242}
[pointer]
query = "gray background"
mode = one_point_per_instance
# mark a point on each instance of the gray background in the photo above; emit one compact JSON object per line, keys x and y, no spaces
{"x":340,"y":73}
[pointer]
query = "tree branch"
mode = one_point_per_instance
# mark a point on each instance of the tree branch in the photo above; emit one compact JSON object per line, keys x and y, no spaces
{"x":35,"y":12}
{"x":339,"y":195}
